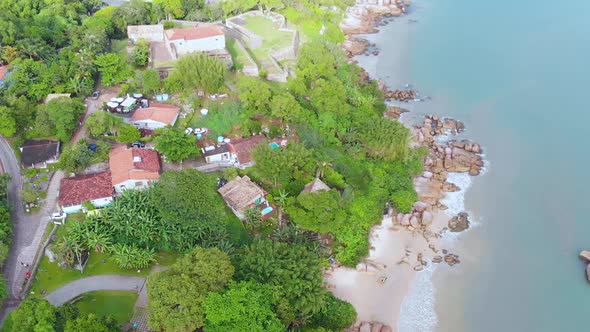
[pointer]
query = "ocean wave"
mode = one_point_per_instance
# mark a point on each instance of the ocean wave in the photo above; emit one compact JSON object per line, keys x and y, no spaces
{"x":455,"y":201}
{"x":417,"y":312}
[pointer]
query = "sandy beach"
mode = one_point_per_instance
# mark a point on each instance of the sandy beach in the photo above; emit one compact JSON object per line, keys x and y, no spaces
{"x":404,"y":245}
{"x":378,"y":286}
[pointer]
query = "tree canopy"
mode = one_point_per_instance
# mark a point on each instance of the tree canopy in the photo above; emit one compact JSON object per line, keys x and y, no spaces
{"x":175,"y":144}
{"x":293,"y":272}
{"x":64,"y":114}
{"x":244,"y":306}
{"x":197,"y":72}
{"x":176,"y":295}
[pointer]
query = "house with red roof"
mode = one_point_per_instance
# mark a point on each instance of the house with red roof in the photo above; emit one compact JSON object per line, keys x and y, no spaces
{"x":158,"y":115}
{"x":202,"y":38}
{"x":238,"y":152}
{"x":133,"y":168}
{"x":94,"y":188}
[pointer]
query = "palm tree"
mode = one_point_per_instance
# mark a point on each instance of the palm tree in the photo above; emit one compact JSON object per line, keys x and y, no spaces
{"x":282,"y":200}
{"x":99,"y":242}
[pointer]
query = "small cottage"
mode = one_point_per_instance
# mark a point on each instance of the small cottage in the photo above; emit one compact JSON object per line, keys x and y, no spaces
{"x":158,"y":115}
{"x":39,"y":153}
{"x":94,"y":188}
{"x":133,"y":168}
{"x":241,"y":194}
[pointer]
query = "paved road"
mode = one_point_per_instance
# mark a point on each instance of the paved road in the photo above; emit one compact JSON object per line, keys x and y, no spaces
{"x":95,"y":283}
{"x":28,"y":230}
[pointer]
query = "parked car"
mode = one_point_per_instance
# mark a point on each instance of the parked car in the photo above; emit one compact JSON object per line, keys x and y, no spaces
{"x":138,"y":144}
{"x":58,"y":215}
{"x":95,"y":95}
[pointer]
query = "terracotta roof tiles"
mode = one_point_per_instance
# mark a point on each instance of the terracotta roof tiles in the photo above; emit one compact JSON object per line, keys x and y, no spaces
{"x":193,"y":33}
{"x":133,"y":164}
{"x":79,"y":189}
{"x":164,"y":113}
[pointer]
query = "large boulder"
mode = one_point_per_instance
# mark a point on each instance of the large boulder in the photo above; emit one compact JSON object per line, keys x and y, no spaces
{"x":376,"y":327}
{"x":585,"y":256}
{"x":406,"y":220}
{"x":420,"y":206}
{"x":459,"y":222}
{"x":414,"y":222}
{"x":427,"y":218}
{"x":365,"y":327}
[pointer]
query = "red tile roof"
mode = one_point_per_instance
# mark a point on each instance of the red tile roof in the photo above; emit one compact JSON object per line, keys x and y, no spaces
{"x":164,"y":113}
{"x":243,"y":147}
{"x":192,"y":33}
{"x":123,"y":167}
{"x":3,"y":71}
{"x":79,"y":189}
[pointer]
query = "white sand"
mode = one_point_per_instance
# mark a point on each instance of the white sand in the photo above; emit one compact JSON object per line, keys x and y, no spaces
{"x":381,"y":301}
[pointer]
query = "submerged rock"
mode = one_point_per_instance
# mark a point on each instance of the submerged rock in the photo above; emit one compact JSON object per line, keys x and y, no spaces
{"x":459,"y":223}
{"x":585,"y":256}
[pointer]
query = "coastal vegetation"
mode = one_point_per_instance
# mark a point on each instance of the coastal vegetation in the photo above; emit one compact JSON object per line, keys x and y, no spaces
{"x":272,"y":269}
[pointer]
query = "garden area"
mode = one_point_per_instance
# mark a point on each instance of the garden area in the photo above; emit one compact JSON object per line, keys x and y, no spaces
{"x":35,"y":188}
{"x":116,"y":304}
{"x":51,"y":275}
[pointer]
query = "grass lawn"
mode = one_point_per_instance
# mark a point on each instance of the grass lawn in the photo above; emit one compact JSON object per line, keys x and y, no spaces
{"x":50,"y":276}
{"x":117,"y":304}
{"x":267,"y":29}
{"x":222,"y":119}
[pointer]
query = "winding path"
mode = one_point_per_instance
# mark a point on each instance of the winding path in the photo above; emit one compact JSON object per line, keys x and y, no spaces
{"x":95,"y":283}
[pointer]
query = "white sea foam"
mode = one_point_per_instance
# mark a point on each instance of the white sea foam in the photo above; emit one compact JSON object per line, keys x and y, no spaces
{"x":417,"y":312}
{"x":455,"y":201}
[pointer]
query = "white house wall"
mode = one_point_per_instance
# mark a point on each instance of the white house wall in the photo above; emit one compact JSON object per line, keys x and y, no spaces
{"x":131,"y":184}
{"x":98,"y":203}
{"x":148,"y":124}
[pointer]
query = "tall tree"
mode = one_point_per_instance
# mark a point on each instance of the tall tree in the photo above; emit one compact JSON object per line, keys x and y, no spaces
{"x":176,"y":295}
{"x":65,"y":113}
{"x":293,"y":272}
{"x":101,"y":122}
{"x":197,"y":72}
{"x":112,"y":68}
{"x":7,"y":122}
{"x":320,"y":212}
{"x":34,"y":315}
{"x":245,"y":306}
{"x":175,"y":144}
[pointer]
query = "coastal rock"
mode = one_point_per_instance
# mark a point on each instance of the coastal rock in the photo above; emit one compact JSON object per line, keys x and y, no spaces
{"x":437,"y":259}
{"x":588,"y":272}
{"x":414,"y":222}
{"x":420,"y":206}
{"x":365,"y":327}
{"x":376,"y":327}
{"x":418,"y":267}
{"x":585,"y":256}
{"x":427,"y":175}
{"x":450,"y":187}
{"x":459,"y":222}
{"x":394,"y":112}
{"x":401,"y":95}
{"x":406,"y":220}
{"x":427,"y":218}
{"x":451,"y":259}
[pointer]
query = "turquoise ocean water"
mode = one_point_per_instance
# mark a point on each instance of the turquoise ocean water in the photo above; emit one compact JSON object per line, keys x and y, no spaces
{"x":518,"y":74}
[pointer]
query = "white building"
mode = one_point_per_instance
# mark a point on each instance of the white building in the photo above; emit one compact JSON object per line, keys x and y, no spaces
{"x":133,"y":168}
{"x":156,"y":116}
{"x":204,"y":38}
{"x":94,"y":188}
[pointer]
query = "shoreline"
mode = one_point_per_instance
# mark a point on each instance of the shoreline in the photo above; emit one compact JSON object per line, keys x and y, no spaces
{"x":406,"y":245}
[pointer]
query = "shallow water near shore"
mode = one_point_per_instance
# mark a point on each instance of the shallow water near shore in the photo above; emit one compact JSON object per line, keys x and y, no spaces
{"x":517,"y":74}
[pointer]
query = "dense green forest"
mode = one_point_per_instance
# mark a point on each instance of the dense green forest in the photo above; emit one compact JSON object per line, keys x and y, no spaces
{"x":228,"y":275}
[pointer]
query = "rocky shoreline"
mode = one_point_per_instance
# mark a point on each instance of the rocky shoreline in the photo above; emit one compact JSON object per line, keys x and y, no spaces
{"x":443,"y":157}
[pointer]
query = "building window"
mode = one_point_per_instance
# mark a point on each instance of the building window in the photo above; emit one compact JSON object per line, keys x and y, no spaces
{"x":139,"y":184}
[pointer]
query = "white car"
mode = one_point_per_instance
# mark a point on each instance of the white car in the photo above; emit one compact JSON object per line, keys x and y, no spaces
{"x":188,"y":131}
{"x":58,"y":215}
